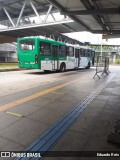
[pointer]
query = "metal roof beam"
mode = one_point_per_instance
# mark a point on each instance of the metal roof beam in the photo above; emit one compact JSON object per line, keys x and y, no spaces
{"x":62,"y":9}
{"x":53,"y":17}
{"x":35,"y":10}
{"x":68,"y":27}
{"x":106,"y":31}
{"x":22,"y":10}
{"x":9,"y":16}
{"x":48,"y":12}
{"x":102,"y":16}
{"x":94,"y":11}
{"x":94,"y":6}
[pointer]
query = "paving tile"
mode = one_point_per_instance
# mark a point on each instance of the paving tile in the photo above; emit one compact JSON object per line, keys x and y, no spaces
{"x":8,"y":145}
{"x":112,"y":105}
{"x":24,"y":131}
{"x":106,"y":93}
{"x":52,"y":96}
{"x":84,"y":124}
{"x":24,"y":109}
{"x":114,"y":98}
{"x":63,"y":90}
{"x":61,"y":106}
{"x":40,"y":102}
{"x":71,"y":141}
{"x":116,"y":92}
{"x":7,"y":120}
{"x":98,"y":103}
{"x":102,"y":97}
{"x":18,"y":95}
{"x":70,"y":98}
{"x":101,"y":129}
{"x":47,"y":115}
{"x":78,"y":94}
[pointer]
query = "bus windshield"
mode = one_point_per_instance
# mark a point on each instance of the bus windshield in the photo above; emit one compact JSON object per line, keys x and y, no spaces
{"x":27,"y":44}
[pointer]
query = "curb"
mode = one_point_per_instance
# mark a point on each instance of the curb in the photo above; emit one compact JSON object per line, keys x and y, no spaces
{"x":13,"y":69}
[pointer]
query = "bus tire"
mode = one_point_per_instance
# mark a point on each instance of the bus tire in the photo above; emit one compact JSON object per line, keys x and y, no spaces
{"x":62,"y":67}
{"x":88,"y":66}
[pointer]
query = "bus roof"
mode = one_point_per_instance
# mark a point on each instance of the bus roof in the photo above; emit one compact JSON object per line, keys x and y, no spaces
{"x":54,"y":42}
{"x":78,"y":47}
{"x":42,"y":39}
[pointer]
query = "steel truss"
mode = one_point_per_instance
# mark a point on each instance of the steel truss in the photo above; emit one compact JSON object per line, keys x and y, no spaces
{"x":106,"y":48}
{"x":63,"y":38}
{"x":24,"y":21}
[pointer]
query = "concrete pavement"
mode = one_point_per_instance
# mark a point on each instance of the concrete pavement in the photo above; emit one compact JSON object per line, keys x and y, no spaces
{"x":35,"y":116}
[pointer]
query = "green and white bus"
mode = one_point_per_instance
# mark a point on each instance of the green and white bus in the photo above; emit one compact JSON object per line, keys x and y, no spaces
{"x":37,"y":53}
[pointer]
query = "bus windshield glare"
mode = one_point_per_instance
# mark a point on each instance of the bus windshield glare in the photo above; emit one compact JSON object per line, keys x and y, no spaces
{"x":27,"y":44}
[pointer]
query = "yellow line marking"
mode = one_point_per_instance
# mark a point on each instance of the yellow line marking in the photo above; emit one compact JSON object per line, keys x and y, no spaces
{"x":57,"y":93}
{"x":36,"y":95}
{"x":15,"y":114}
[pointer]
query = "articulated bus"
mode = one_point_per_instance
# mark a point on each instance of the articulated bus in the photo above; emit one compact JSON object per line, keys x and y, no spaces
{"x":50,"y":55}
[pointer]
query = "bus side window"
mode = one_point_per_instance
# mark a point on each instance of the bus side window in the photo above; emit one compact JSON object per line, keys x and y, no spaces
{"x":62,"y":50}
{"x":41,"y":49}
{"x":54,"y":50}
{"x":89,"y":53}
{"x":86,"y":53}
{"x":76,"y":53}
{"x":44,"y":48}
{"x":82,"y":52}
{"x":70,"y":51}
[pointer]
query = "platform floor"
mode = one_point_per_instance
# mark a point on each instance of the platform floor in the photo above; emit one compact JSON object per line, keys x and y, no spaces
{"x":31,"y":102}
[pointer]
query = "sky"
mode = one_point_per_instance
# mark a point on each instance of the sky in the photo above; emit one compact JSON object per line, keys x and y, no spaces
{"x":93,"y":38}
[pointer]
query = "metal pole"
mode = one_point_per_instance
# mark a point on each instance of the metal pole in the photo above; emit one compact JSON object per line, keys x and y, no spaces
{"x":47,"y":13}
{"x":101,"y":46}
{"x":21,"y":12}
{"x":9,"y":16}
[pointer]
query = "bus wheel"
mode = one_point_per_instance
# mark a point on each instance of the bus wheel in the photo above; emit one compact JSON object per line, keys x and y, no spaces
{"x":62,"y":67}
{"x":88,"y":66}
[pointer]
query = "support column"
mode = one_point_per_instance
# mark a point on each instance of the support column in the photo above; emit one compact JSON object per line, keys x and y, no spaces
{"x":114,"y":58}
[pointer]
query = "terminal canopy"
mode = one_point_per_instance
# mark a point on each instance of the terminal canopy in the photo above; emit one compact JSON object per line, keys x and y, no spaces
{"x":20,"y":18}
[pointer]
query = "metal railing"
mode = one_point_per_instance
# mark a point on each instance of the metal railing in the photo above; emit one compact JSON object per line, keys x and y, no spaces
{"x":102,"y":66}
{"x":117,"y":50}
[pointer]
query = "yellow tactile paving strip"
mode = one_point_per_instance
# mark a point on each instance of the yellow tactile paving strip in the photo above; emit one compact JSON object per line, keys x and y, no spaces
{"x":36,"y":95}
{"x":15,"y":114}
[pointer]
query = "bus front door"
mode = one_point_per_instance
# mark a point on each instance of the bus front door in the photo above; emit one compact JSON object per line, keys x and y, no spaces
{"x":54,"y":57}
{"x":77,"y":58}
